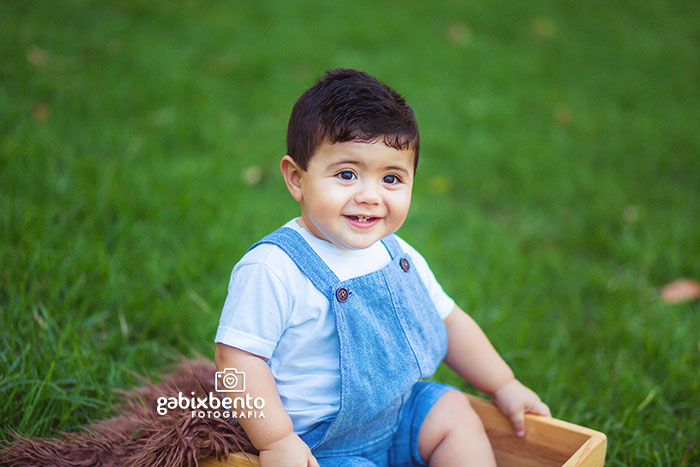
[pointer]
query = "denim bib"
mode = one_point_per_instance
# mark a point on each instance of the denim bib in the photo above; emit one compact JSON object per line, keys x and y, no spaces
{"x":390,"y":336}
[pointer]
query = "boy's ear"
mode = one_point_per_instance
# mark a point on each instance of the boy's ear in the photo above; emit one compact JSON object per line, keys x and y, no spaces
{"x":292,"y":176}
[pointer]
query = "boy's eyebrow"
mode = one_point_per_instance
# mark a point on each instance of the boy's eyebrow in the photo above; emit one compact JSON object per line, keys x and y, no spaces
{"x":397,"y":168}
{"x":345,"y":161}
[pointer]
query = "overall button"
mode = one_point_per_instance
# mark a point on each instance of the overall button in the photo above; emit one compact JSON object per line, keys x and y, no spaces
{"x":342,"y":294}
{"x":404,"y":264}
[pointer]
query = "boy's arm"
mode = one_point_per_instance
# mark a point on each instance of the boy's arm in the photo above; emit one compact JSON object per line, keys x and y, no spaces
{"x":273,"y":435}
{"x":472,"y":356}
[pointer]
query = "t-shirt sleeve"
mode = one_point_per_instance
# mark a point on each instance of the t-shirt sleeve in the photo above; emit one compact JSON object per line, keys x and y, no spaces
{"x":443,"y":303}
{"x":256,"y":310}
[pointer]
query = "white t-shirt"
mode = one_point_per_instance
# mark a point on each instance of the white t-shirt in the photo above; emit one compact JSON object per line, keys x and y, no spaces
{"x":274,"y":311}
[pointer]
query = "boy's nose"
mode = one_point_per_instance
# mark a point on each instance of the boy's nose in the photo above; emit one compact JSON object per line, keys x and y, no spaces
{"x":367,"y":194}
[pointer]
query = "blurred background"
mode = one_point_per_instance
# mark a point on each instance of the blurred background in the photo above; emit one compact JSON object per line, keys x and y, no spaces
{"x":558,"y":190}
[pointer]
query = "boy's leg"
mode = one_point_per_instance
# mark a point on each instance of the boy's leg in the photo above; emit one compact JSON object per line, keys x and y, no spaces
{"x":452,"y":434}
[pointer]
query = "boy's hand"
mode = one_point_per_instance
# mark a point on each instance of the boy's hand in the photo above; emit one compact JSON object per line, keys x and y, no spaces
{"x":289,"y":451}
{"x":514,"y":399}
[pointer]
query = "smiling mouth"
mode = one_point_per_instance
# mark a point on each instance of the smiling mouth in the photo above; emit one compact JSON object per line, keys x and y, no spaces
{"x":360,"y":221}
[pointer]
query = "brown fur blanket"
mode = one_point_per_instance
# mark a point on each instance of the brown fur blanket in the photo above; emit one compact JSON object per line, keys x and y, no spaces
{"x":140,"y":436}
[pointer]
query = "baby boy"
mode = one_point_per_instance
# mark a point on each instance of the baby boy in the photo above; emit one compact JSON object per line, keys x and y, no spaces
{"x":336,"y":321}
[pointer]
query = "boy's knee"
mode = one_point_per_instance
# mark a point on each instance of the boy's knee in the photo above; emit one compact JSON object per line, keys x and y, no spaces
{"x":457,"y":413}
{"x":452,"y":415}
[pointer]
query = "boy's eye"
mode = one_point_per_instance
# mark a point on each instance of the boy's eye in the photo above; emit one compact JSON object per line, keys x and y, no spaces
{"x":391,"y":179}
{"x":346,"y":175}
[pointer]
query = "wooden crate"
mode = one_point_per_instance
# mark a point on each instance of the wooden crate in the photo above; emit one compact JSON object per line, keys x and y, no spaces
{"x":548,"y":442}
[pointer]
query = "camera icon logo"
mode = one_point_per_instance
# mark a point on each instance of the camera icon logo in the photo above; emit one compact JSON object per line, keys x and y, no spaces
{"x":230,"y":380}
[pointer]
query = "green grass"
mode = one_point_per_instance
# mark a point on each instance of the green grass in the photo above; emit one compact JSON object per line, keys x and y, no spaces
{"x":558,"y":189}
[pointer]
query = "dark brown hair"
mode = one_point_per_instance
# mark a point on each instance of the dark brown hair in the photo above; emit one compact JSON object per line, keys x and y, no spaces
{"x":350,"y":105}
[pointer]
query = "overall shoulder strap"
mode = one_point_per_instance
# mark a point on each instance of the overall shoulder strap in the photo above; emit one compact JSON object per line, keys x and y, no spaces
{"x":392,"y":246}
{"x":306,"y":259}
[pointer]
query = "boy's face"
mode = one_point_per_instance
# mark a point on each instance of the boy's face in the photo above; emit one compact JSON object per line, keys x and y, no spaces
{"x":352,"y":194}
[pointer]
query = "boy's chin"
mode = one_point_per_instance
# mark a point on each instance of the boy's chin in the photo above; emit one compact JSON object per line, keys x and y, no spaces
{"x":359,"y":242}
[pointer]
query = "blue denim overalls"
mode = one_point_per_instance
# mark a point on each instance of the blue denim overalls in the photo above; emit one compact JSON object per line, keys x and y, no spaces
{"x":390,"y":337}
